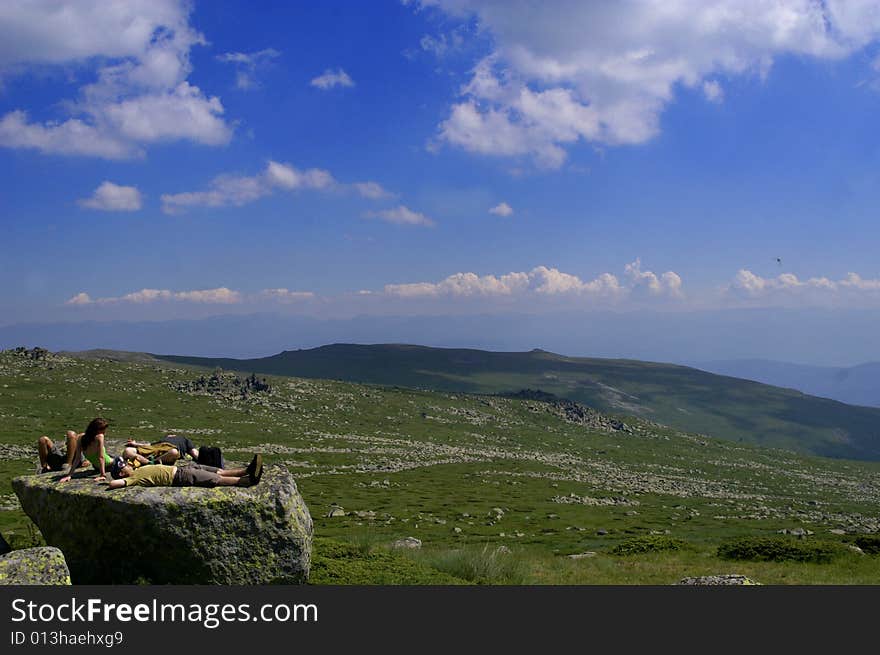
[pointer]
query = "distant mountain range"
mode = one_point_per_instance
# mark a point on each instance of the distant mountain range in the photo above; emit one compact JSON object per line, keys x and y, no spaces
{"x":856,"y":385}
{"x":682,"y":397}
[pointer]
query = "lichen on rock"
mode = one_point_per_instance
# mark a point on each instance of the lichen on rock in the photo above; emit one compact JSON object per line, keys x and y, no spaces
{"x":34,"y":566}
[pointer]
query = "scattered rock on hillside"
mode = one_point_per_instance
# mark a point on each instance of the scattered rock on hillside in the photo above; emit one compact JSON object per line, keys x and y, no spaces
{"x":585,"y":555}
{"x":408,"y":542}
{"x":174,"y":535}
{"x":568,"y":410}
{"x":725,"y":579}
{"x":34,"y":566}
{"x":36,"y":354}
{"x":225,"y":386}
{"x":335,"y":510}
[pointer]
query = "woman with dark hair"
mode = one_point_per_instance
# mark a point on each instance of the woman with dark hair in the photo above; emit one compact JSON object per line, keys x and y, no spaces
{"x":91,"y":447}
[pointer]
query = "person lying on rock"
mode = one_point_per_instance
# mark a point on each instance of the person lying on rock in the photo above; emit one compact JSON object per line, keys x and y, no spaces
{"x":53,"y":458}
{"x":159,"y":452}
{"x":91,"y":446}
{"x":193,"y":475}
{"x":183,"y":444}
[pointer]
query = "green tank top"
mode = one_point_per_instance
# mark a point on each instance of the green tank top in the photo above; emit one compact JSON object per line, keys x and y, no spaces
{"x":95,"y":460}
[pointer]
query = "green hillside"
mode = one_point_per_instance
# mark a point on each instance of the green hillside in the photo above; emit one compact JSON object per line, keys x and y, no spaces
{"x":468,"y":474}
{"x":678,"y":396}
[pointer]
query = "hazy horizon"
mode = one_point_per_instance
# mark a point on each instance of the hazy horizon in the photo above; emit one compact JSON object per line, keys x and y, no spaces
{"x":677,"y":337}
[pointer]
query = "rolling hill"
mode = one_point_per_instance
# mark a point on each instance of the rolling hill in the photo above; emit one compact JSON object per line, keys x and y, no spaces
{"x":855,"y":385}
{"x":679,"y":396}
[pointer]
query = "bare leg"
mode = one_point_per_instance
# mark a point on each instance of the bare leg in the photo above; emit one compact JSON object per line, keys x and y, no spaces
{"x":71,"y":447}
{"x":234,"y":473}
{"x":170,"y":457}
{"x":130,"y":452}
{"x":228,"y":481}
{"x":44,"y":445}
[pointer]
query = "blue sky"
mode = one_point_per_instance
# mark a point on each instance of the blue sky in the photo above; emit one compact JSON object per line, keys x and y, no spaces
{"x":180,"y":160}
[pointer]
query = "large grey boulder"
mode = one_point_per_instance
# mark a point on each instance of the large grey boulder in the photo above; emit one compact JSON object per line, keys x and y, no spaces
{"x":174,"y":535}
{"x":34,"y":566}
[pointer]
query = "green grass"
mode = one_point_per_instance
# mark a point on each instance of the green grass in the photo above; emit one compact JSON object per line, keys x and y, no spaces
{"x":466,"y":474}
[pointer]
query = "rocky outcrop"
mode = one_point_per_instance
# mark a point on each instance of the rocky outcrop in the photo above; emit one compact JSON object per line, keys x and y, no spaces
{"x":567,"y":410}
{"x":174,"y":535}
{"x":34,"y":566}
{"x":725,"y":579}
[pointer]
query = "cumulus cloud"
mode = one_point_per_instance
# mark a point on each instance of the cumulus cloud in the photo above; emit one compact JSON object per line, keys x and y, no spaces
{"x":648,"y":283}
{"x":331,"y":79}
{"x":221,"y":295}
{"x":218,"y":296}
{"x":502,"y":209}
{"x":139,"y":51}
{"x":113,"y":197}
{"x":231,"y":190}
{"x":566,"y":71}
{"x":546,"y":282}
{"x":401,"y":215}
{"x":371,"y":190}
{"x":249,"y":65}
{"x":788,"y":287}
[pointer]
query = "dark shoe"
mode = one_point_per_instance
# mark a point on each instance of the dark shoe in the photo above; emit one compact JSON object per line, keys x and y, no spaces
{"x":258,"y":474}
{"x":245,"y":481}
{"x":256,"y":463}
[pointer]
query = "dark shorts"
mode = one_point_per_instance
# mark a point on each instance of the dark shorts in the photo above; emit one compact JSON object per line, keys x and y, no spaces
{"x":183,"y":444}
{"x":196,"y":475}
{"x":57,"y":458}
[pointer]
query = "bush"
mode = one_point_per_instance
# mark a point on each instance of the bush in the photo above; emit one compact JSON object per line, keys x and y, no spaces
{"x":870,"y":543}
{"x":652,"y":544}
{"x":779,"y":549}
{"x":489,"y":565}
{"x":340,"y":563}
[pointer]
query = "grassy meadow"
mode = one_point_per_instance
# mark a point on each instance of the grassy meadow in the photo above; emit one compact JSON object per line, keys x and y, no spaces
{"x":499,"y":491}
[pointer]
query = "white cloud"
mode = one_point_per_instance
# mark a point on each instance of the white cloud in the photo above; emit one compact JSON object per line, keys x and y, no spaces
{"x":331,"y":79}
{"x":544,"y":282}
{"x":788,"y":288}
{"x":79,"y":299}
{"x":226,"y":190}
{"x":139,"y":53}
{"x":648,"y":283}
{"x":565,"y":71}
{"x":248,"y":65}
{"x":502,"y":209}
{"x":221,"y":295}
{"x":372,"y":190}
{"x":401,"y":215}
{"x":713,"y":91}
{"x":72,"y":137}
{"x":113,"y":197}
{"x":286,"y":296}
{"x":179,"y":113}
